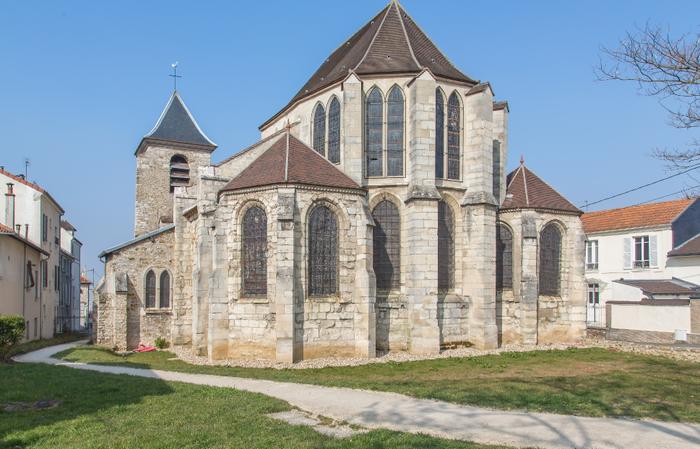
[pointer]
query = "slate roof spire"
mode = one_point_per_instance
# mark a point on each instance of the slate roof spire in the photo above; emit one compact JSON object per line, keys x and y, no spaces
{"x":176,"y":124}
{"x":391,"y":43}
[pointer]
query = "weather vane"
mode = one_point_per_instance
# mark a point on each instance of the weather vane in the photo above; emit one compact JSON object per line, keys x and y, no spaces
{"x":174,"y":75}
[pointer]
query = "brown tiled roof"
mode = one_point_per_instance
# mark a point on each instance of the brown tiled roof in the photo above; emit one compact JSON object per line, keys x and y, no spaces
{"x":8,"y":231}
{"x":32,"y":185}
{"x":527,"y":191}
{"x":299,"y":163}
{"x":688,"y":248}
{"x":661,"y":286}
{"x":390,"y":43}
{"x":643,"y":215}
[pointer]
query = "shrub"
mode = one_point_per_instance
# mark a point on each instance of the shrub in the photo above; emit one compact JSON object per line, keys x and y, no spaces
{"x":161,"y":343}
{"x":11,"y":331}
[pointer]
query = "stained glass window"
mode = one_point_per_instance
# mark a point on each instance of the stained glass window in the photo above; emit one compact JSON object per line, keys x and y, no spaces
{"x":453,"y":138}
{"x":550,"y":260}
{"x":150,"y":289}
{"x":254,"y":261}
{"x":334,"y":131}
{"x":446,"y":247}
{"x":165,"y":290}
{"x":439,"y":135}
{"x":387,"y":245}
{"x":374,"y":119}
{"x":504,"y":257}
{"x":319,"y":137}
{"x":323,"y":252}
{"x":394,"y":136}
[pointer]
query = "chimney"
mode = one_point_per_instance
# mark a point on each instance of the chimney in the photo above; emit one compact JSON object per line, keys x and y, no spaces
{"x":26,"y":231}
{"x":10,"y":206}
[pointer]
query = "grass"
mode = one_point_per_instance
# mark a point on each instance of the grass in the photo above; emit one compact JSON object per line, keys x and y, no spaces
{"x":43,"y":343}
{"x":587,"y":382}
{"x":110,"y":411}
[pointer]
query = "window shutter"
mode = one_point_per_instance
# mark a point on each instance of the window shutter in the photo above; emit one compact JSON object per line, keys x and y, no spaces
{"x":628,"y":253}
{"x":652,"y":251}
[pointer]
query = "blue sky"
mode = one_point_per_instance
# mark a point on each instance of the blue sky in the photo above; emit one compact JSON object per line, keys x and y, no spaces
{"x":82,"y":81}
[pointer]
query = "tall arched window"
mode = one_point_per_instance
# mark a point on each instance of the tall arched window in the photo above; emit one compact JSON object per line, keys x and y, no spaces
{"x":334,"y":131}
{"x":453,"y":138}
{"x":150,"y":292}
{"x":394,"y":134}
{"x":319,"y":137}
{"x":446,"y":247}
{"x":504,"y":258}
{"x":387,"y":245}
{"x":374,"y":135}
{"x":439,"y":134}
{"x":164,"y":290}
{"x":254,"y":263}
{"x":323,"y":252}
{"x":179,"y":172}
{"x":550,"y":260}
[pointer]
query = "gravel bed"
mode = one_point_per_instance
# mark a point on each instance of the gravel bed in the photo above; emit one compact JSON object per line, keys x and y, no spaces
{"x":674,"y":352}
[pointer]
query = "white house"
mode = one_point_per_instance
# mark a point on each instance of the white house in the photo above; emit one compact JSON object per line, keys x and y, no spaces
{"x":643,"y":268}
{"x":68,"y":311}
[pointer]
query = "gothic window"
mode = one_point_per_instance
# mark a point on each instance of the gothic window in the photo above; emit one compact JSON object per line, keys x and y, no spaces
{"x":453,"y":138}
{"x":394,"y":135}
{"x":374,"y":117}
{"x":439,"y":135}
{"x":323,"y":252}
{"x":150,"y":289}
{"x":164,"y":290}
{"x":334,"y":131}
{"x":387,"y":245}
{"x":504,"y":258}
{"x":179,"y":172}
{"x":255,"y":252}
{"x":319,"y":137}
{"x":446,"y":247}
{"x":550,"y":260}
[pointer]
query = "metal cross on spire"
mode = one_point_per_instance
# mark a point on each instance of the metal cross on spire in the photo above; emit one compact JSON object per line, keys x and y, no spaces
{"x":174,"y":75}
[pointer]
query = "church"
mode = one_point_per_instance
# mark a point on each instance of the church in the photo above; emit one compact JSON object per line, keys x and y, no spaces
{"x":373,"y":215}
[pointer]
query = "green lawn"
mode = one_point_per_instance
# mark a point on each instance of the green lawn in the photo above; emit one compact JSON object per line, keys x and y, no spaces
{"x":111,"y":411}
{"x":589,"y":382}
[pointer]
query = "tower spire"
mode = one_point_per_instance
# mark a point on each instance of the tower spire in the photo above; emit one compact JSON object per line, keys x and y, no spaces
{"x":174,"y":75}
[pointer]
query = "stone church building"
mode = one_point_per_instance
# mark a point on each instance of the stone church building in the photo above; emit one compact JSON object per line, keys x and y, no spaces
{"x":373,"y":215}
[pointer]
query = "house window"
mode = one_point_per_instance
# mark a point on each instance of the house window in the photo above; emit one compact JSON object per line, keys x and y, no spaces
{"x":44,"y":274}
{"x":44,"y":228}
{"x":334,"y":131}
{"x":255,"y":252}
{"x":504,"y":258}
{"x":150,"y":289}
{"x":453,"y":137}
{"x":179,"y":172}
{"x":56,"y":277}
{"x":592,"y":254}
{"x":374,"y":133}
{"x":323,"y":252}
{"x":394,"y":135}
{"x":36,"y":327}
{"x":439,"y":134}
{"x":319,"y":134}
{"x":593,"y":294}
{"x":387,"y":245}
{"x":550,"y":260}
{"x":446,"y":247}
{"x":641,"y":252}
{"x":164,"y":290}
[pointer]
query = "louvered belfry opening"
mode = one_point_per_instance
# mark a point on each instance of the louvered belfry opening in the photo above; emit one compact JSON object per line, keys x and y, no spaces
{"x":446,"y":247}
{"x":179,"y":172}
{"x":323,"y":252}
{"x":387,"y":245}
{"x":504,"y":258}
{"x":550,"y":260}
{"x":255,"y":252}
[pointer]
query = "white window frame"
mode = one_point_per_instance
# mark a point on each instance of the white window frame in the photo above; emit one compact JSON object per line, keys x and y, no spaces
{"x":639,"y":263}
{"x":591,"y":254}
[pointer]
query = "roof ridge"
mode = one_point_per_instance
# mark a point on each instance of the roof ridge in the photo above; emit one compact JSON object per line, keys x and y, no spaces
{"x":253,"y":146}
{"x":677,"y":200}
{"x":527,"y":196}
{"x":376,"y":33}
{"x":514,"y":175}
{"x":405,"y":35}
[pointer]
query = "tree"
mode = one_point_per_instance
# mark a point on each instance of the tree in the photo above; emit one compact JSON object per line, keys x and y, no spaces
{"x":663,"y":67}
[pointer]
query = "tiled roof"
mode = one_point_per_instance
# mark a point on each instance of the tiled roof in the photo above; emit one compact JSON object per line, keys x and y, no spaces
{"x":527,"y":191}
{"x":290,"y":161}
{"x":176,"y":124}
{"x":8,"y":231}
{"x":661,"y":286}
{"x":32,"y":185}
{"x":643,"y":215}
{"x":688,"y":248}
{"x":390,"y":43}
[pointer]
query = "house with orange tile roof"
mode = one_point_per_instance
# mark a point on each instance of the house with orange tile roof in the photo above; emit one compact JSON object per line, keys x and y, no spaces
{"x":639,"y":258}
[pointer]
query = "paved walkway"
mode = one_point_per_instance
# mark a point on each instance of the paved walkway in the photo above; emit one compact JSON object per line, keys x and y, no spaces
{"x":397,"y":412}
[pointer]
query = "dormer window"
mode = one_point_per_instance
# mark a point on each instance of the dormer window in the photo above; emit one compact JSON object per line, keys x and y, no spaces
{"x":179,"y":172}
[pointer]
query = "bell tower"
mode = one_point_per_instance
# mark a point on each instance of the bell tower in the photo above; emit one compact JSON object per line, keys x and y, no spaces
{"x":169,"y":156}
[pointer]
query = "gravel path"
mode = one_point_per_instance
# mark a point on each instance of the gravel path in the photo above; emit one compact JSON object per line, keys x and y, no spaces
{"x":397,"y":412}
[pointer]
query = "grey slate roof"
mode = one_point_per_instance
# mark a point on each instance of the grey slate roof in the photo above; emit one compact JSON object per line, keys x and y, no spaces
{"x":176,"y":124}
{"x":138,"y":239}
